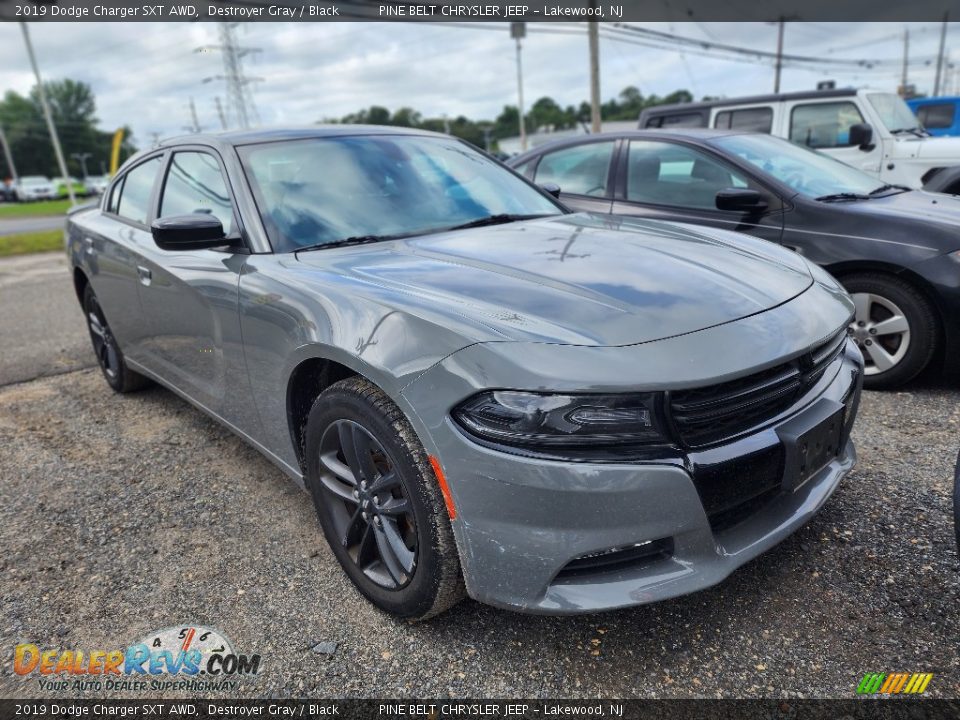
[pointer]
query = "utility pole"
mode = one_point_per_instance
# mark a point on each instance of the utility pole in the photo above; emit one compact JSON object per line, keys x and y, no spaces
{"x":8,"y":156}
{"x":239,"y":96}
{"x":943,"y":41}
{"x":82,"y":159}
{"x":518,"y":30}
{"x":46,"y":113}
{"x":220,"y":113}
{"x":906,"y":58}
{"x":776,"y":80}
{"x":593,"y":36}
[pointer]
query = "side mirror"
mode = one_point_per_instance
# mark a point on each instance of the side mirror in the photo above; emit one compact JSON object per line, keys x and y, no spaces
{"x":188,"y":232}
{"x":741,"y":200}
{"x":861,"y":135}
{"x":551,"y":188}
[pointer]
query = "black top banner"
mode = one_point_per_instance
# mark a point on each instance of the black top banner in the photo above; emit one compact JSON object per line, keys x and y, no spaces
{"x":420,"y":709}
{"x":474,"y":10}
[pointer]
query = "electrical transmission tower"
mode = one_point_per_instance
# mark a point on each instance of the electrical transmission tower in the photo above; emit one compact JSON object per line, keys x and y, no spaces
{"x":194,"y":126}
{"x":240,"y":107}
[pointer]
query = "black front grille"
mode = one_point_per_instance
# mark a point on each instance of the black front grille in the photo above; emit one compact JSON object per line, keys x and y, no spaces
{"x":733,"y":490}
{"x":711,"y":414}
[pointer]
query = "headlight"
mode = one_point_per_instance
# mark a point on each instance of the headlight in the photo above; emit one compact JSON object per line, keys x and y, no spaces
{"x":554,"y":423}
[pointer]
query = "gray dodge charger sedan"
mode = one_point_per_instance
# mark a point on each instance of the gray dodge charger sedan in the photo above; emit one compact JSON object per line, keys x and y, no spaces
{"x":483,"y":393}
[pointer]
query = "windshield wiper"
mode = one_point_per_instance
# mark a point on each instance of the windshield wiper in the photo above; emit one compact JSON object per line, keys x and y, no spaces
{"x":885,"y":188}
{"x":919,"y":132}
{"x":500,"y":219}
{"x":836,"y":197}
{"x":355,"y":240}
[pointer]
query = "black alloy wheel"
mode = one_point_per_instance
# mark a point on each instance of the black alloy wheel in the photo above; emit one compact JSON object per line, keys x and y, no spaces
{"x":379,"y":501}
{"x":105,"y":346}
{"x":372,"y":516}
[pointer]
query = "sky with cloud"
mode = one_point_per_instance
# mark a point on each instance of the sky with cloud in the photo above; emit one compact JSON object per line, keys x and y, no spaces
{"x":144,"y":74}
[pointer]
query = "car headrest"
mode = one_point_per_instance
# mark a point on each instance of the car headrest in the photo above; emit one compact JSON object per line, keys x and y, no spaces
{"x":704,"y":170}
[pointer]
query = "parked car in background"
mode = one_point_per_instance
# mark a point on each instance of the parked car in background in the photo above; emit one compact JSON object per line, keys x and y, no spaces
{"x":559,"y":412}
{"x":79,"y":189}
{"x":35,"y":187}
{"x":938,"y":115}
{"x":896,"y":250}
{"x":96,"y":184}
{"x":872,"y":131}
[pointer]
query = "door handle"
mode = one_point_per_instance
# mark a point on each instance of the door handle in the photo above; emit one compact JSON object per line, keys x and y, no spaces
{"x":145,"y":274}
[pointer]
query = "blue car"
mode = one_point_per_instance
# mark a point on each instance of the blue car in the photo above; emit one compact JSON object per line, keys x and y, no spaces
{"x":938,"y":115}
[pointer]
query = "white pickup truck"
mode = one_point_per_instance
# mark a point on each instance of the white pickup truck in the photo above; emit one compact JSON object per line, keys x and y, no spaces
{"x":868,"y":129}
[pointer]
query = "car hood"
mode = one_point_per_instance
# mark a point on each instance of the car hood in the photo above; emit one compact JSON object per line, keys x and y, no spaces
{"x":937,"y":148}
{"x":577,"y":279}
{"x":914,"y":207}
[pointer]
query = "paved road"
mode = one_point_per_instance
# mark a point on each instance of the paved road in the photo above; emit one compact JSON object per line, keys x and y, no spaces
{"x":41,"y":324}
{"x":12,"y":226}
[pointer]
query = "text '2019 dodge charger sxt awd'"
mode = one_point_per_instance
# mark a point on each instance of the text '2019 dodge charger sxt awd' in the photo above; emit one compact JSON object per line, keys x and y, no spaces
{"x":552,"y":412}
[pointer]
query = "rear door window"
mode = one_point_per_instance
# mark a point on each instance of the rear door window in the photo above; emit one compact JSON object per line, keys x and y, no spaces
{"x":759,"y":119}
{"x":677,"y":120}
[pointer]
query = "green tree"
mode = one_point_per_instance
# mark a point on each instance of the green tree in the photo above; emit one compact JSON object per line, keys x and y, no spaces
{"x":73,"y":107}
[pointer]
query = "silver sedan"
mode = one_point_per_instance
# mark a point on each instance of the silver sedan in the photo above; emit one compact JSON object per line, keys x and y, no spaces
{"x":484,"y":393}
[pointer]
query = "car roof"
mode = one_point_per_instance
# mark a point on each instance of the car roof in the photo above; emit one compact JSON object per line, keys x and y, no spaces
{"x":695,"y":134}
{"x":749,"y":100}
{"x":277,"y":134}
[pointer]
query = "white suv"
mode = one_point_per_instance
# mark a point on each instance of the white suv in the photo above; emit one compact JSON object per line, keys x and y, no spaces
{"x":868,"y":129}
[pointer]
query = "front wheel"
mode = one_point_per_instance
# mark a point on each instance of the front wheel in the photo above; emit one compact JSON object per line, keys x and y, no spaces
{"x":895,"y":327}
{"x":956,"y":502}
{"x":379,"y":503}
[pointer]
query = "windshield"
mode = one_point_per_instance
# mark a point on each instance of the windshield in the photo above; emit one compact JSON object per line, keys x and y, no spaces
{"x":324,"y":190}
{"x":32,"y":180}
{"x":894,"y":113}
{"x":808,"y":172}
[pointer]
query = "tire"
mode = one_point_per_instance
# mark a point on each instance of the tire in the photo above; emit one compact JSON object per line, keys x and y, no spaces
{"x":373,"y":487}
{"x":956,"y":502}
{"x":892,"y":358}
{"x":107,"y":350}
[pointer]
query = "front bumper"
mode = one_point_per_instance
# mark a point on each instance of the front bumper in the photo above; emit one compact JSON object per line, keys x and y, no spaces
{"x":522,"y":521}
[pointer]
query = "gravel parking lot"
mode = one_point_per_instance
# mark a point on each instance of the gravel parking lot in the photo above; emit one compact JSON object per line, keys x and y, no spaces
{"x":124,"y":514}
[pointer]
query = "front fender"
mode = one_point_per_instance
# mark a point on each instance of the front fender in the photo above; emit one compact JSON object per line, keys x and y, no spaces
{"x":945,"y":180}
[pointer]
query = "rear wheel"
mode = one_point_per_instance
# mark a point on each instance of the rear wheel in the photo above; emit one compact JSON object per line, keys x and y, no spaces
{"x":105,"y":347}
{"x":895,"y":327}
{"x":379,"y":503}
